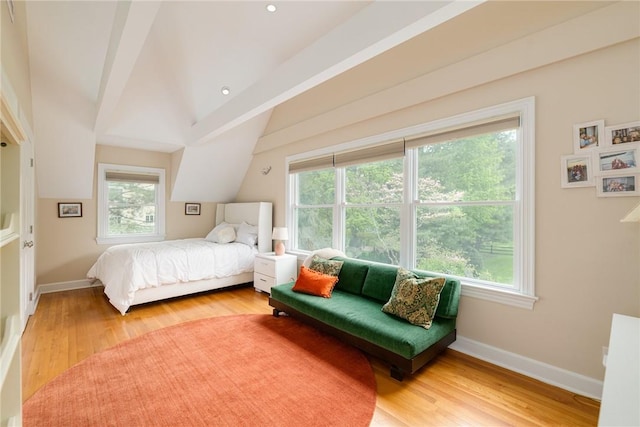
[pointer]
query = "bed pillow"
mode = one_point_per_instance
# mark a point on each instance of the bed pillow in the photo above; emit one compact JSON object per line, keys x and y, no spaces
{"x":414,"y":298}
{"x":227,"y":235}
{"x":314,"y":283}
{"x":247,"y":234}
{"x":326,"y":266}
{"x":214,"y":235}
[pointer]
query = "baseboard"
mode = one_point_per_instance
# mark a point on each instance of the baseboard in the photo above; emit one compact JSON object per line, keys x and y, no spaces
{"x":571,"y":381}
{"x":65,"y":286}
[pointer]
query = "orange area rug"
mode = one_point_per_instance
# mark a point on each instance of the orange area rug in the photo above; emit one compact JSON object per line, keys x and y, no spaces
{"x":244,"y":370}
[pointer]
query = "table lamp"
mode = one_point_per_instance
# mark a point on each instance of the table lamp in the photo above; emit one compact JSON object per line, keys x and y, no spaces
{"x":279,"y":235}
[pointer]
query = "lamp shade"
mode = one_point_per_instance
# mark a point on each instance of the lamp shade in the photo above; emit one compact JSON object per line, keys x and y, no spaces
{"x":280,"y":233}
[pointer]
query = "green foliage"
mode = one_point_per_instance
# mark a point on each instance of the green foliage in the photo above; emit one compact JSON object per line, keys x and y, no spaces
{"x":319,"y":187}
{"x":474,"y":169}
{"x":314,"y":228}
{"x":131,"y":208}
{"x":378,"y":182}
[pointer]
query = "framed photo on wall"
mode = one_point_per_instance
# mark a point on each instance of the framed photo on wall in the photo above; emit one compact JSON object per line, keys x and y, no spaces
{"x":622,"y":159}
{"x":618,"y":185}
{"x":69,"y":210}
{"x":627,"y":133}
{"x":588,"y":136}
{"x":192,"y":208}
{"x":576,"y":171}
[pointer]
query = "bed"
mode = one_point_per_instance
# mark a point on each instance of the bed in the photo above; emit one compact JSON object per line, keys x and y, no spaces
{"x":135,"y":274}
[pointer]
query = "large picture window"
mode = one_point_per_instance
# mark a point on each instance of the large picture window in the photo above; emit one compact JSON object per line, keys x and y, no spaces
{"x":130,"y":204}
{"x":456,"y":199}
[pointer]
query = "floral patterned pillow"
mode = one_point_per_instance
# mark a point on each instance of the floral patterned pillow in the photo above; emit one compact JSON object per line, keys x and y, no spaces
{"x":414,"y":298}
{"x":326,"y":266}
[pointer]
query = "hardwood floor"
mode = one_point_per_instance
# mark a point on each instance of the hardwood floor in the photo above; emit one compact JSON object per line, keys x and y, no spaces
{"x":455,"y":389}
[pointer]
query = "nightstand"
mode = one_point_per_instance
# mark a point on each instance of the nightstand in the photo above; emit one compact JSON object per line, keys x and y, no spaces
{"x":270,"y":270}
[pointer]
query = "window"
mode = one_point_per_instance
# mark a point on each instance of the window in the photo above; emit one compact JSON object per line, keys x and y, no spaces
{"x":314,"y":209}
{"x":372,"y":210}
{"x":130,"y":204}
{"x":456,"y":199}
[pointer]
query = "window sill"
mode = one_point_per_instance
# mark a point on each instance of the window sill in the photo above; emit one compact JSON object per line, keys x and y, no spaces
{"x":128,"y":239}
{"x":499,"y":295}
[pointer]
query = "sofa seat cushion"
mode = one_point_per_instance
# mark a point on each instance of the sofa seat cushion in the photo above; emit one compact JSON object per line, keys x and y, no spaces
{"x":363,"y":317}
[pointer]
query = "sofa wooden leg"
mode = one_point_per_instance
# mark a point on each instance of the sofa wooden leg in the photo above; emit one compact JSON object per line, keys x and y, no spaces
{"x":276,"y":312}
{"x":396,"y":373}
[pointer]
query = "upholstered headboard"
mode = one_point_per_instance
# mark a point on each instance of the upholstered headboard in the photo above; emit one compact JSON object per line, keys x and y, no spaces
{"x":257,"y":213}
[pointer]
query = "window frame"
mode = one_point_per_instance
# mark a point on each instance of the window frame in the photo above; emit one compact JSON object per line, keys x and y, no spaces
{"x":523,"y":294}
{"x":103,"y":206}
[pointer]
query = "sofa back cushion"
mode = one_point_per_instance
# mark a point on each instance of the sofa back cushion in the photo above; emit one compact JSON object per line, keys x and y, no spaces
{"x":352,"y":275}
{"x":379,"y":281}
{"x":376,"y":281}
{"x":449,"y":297}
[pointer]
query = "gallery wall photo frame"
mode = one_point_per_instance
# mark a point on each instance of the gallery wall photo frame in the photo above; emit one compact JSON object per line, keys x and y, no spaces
{"x":576,"y":171}
{"x":192,"y":208}
{"x":617,"y":160}
{"x":588,"y":136}
{"x":620,"y":135}
{"x":69,"y":210}
{"x":622,"y":185}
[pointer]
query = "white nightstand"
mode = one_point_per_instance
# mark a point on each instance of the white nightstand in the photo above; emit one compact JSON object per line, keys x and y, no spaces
{"x":270,"y":270}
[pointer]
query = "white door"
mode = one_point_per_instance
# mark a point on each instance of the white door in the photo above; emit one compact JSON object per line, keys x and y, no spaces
{"x":27,"y":208}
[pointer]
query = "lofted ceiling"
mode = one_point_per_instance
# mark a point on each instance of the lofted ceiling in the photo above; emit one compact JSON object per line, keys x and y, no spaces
{"x":148,"y":74}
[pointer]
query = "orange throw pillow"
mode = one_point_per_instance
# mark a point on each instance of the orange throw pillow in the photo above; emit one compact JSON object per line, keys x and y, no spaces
{"x":314,"y":283}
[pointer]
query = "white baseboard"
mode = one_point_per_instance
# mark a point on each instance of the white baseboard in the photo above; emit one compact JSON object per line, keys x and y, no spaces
{"x":571,"y":381}
{"x":65,"y":286}
{"x":62,"y":286}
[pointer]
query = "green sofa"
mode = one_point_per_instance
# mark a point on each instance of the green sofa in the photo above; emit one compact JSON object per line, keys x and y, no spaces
{"x":353,"y":313}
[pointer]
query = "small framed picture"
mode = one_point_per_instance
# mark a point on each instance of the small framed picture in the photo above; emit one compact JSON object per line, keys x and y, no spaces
{"x":192,"y":208}
{"x":618,"y":185}
{"x":69,"y":210}
{"x":587,"y":136}
{"x":623,"y":159}
{"x":576,"y":171}
{"x":626,"y":133}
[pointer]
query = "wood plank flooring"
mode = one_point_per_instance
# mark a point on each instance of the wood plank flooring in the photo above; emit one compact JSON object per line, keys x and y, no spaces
{"x":455,"y":389}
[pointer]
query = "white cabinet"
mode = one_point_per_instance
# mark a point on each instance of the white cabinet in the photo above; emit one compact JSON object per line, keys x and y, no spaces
{"x":270,"y":270}
{"x":621,"y":389}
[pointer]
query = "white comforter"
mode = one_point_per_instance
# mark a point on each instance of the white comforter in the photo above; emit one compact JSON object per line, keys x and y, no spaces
{"x":124,"y":269}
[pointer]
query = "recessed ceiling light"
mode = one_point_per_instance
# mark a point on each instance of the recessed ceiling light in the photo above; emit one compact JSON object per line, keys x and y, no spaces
{"x":271,"y":8}
{"x":225,"y":90}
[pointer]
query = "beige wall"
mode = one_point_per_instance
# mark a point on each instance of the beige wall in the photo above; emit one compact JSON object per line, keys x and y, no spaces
{"x":586,"y":260}
{"x":67,"y":246}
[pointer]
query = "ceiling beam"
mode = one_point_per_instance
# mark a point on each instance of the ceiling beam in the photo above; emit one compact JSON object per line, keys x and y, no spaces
{"x":376,"y":29}
{"x":132,"y":23}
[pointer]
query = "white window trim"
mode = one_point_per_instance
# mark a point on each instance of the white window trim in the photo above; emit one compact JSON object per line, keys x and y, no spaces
{"x":103,"y":195}
{"x":525,"y":296}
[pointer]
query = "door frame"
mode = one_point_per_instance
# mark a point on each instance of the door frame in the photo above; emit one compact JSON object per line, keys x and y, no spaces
{"x":27,"y":230}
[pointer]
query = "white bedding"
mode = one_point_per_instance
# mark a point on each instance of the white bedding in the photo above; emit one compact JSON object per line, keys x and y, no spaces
{"x":124,"y":269}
